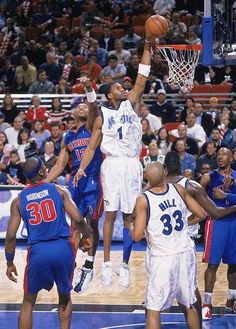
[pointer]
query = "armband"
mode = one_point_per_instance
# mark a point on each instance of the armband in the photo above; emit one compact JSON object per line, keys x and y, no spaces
{"x":91,"y":96}
{"x":231,"y":198}
{"x":9,"y":256}
{"x":144,"y":70}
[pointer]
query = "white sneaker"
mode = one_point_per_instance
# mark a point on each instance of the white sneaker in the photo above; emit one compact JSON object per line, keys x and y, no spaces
{"x":83,"y":280}
{"x":106,"y":275}
{"x":123,"y":273}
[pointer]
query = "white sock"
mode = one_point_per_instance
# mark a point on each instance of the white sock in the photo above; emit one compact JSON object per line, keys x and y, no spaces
{"x":207,"y":297}
{"x":231,"y":294}
{"x":90,"y":258}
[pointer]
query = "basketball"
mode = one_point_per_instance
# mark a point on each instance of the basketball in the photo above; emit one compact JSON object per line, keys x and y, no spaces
{"x":156,"y":26}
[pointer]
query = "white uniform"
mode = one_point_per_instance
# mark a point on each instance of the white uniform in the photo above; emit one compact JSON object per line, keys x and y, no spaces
{"x":171,"y":260}
{"x":192,"y":229}
{"x":121,"y":171}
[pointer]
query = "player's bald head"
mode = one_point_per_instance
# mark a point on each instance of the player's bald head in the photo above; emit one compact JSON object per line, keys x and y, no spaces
{"x":225,"y":151}
{"x":155,"y":174}
{"x":33,"y":168}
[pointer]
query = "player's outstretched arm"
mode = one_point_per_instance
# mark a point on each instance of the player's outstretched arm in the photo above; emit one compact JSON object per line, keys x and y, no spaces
{"x":92,"y":101}
{"x":198,"y":192}
{"x":90,"y":150}
{"x":137,"y":228}
{"x":192,"y":204}
{"x":79,"y":222}
{"x":143,"y":74}
{"x":10,"y":242}
{"x":62,"y":161}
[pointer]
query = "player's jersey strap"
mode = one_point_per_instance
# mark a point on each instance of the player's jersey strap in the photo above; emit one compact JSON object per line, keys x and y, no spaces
{"x":122,"y":131}
{"x":167,"y":229}
{"x":42,"y":210}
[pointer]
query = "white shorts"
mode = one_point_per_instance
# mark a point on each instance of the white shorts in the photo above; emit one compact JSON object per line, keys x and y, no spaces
{"x":171,"y":277}
{"x":121,"y":183}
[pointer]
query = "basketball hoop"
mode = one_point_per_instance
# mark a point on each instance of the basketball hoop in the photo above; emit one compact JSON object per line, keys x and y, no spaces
{"x":182,"y":61}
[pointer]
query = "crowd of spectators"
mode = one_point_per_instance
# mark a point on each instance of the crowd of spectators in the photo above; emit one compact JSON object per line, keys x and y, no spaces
{"x":47,"y":45}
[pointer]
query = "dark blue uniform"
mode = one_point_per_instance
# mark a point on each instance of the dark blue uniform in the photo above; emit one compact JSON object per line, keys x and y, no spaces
{"x":88,"y":195}
{"x":51,"y":256}
{"x":220,"y":241}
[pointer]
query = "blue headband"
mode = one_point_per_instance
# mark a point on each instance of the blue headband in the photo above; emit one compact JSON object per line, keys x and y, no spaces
{"x":33,"y":173}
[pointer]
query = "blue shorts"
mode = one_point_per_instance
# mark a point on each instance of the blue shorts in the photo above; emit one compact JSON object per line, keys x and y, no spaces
{"x":87,"y":196}
{"x":220,"y":241}
{"x":49,"y":262}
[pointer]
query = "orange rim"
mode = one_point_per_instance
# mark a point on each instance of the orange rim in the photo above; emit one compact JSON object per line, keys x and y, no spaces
{"x":181,"y":47}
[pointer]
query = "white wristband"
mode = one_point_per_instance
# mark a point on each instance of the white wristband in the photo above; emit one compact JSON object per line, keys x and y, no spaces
{"x":91,"y":96}
{"x":144,"y":69}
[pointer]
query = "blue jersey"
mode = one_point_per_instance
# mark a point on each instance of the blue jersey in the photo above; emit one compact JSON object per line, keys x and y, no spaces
{"x":43,"y":213}
{"x":77,"y":142}
{"x":220,"y":242}
{"x":217,"y":180}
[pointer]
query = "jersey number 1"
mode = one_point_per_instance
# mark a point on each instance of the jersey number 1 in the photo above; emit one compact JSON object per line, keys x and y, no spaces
{"x":42,"y":211}
{"x":120,"y":132}
{"x":166,"y":219}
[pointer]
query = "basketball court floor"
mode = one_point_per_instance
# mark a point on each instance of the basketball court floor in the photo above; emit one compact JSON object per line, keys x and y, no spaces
{"x":105,"y":307}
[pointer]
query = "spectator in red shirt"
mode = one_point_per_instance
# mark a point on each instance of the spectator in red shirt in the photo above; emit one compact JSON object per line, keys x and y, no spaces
{"x":92,"y":68}
{"x":35,"y":111}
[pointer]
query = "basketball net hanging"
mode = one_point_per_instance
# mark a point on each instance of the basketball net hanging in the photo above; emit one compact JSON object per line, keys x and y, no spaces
{"x":182,"y":61}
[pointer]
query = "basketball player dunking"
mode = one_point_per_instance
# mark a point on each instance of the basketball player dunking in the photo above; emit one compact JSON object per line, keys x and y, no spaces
{"x":118,"y":129}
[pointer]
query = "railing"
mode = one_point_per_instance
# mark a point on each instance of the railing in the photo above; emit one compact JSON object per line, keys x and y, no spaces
{"x":23,"y":101}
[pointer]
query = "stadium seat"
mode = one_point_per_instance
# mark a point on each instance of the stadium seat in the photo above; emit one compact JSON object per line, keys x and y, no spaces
{"x":63,"y":21}
{"x":118,"y":33}
{"x":96,"y":32}
{"x":139,"y":20}
{"x":221,"y":89}
{"x":200,"y":89}
{"x":75,"y":22}
{"x":170,"y":126}
{"x":139,"y":29}
{"x":80,"y":60}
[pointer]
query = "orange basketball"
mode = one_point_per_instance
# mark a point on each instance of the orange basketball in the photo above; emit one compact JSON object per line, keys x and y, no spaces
{"x":156,"y":26}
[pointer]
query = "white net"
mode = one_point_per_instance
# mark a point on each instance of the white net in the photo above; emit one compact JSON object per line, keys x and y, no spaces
{"x":182,"y":64}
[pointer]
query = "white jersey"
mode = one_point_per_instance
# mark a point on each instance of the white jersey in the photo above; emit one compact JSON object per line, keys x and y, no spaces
{"x":122,"y":131}
{"x":167,"y":228}
{"x":192,"y":229}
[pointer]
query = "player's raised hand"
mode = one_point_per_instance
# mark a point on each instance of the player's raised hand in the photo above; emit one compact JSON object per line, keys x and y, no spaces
{"x":80,"y":173}
{"x":85,"y":82}
{"x":11,"y":269}
{"x":218,"y":193}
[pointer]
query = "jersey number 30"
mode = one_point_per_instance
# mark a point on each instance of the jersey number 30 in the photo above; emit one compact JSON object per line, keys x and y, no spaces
{"x":42,"y":211}
{"x":166,"y":220}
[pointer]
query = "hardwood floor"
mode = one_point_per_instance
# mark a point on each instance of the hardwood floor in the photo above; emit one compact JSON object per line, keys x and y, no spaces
{"x":11,"y":292}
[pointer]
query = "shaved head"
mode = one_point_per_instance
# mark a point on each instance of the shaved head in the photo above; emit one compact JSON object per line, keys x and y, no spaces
{"x":155,"y":174}
{"x":33,"y":168}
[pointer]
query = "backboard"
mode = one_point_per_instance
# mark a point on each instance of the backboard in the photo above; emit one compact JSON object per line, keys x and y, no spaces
{"x":218,"y":36}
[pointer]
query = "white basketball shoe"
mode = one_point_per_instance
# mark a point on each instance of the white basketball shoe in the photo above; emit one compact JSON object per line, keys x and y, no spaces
{"x":123,"y":273}
{"x":106,"y":274}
